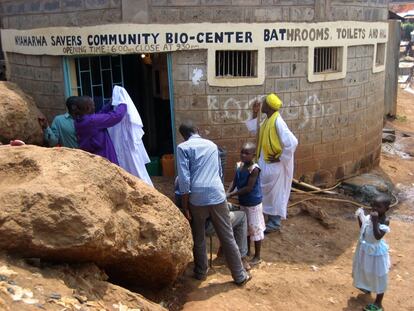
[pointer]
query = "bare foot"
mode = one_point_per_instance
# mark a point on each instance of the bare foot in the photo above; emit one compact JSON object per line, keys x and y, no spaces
{"x":246,"y":264}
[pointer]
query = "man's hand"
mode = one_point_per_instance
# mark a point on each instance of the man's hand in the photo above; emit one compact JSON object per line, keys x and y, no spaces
{"x":273,"y":159}
{"x":187,"y":214}
{"x":256,"y":108}
{"x":185,"y":203}
{"x":43,"y":123}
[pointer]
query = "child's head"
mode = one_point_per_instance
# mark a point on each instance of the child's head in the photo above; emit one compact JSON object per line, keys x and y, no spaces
{"x":381,"y":204}
{"x":83,"y":105}
{"x":70,"y":103}
{"x":248,"y":152}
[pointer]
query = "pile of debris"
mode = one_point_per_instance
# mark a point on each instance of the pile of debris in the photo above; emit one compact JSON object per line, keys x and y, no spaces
{"x":44,"y":286}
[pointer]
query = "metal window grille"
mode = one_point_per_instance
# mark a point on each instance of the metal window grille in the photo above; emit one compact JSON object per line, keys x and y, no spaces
{"x":380,"y":55}
{"x":326,"y":60}
{"x":236,"y":64}
{"x":96,"y":77}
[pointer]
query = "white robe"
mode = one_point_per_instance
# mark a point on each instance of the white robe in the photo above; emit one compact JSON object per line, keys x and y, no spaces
{"x":276,"y":178}
{"x":126,"y":137}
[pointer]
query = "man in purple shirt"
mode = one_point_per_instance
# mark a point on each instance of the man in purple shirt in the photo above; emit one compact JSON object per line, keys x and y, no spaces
{"x":91,"y":127}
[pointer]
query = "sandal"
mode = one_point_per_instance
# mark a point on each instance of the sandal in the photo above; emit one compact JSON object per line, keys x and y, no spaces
{"x":372,"y":307}
{"x":255,"y":261}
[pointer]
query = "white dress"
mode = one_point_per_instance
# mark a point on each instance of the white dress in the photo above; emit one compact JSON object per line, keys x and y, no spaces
{"x":276,"y":178}
{"x":371,"y":260}
{"x":126,"y":137}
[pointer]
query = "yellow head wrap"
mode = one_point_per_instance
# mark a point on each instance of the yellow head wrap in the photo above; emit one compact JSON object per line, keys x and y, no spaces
{"x":273,"y":101}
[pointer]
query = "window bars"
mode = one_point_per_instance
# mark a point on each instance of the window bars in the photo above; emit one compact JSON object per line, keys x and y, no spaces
{"x":96,"y":76}
{"x":326,"y":59}
{"x":236,"y":64}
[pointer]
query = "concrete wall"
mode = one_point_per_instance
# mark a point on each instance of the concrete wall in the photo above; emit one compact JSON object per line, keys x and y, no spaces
{"x":338,"y":123}
{"x":23,"y":14}
{"x":42,"y":76}
{"x":26,"y":14}
{"x":391,"y":69}
{"x":184,"y":11}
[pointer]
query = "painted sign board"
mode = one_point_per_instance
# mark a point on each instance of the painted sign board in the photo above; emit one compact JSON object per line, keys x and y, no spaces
{"x":158,"y":38}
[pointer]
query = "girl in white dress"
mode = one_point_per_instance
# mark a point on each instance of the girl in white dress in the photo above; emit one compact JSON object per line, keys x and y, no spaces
{"x":372,"y":261}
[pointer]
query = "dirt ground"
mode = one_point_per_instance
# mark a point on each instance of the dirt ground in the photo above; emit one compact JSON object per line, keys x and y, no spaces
{"x":308,"y":266}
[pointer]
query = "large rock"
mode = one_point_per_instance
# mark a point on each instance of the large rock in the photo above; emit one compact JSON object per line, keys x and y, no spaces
{"x":366,"y":187}
{"x":18,"y":116}
{"x":68,"y":205}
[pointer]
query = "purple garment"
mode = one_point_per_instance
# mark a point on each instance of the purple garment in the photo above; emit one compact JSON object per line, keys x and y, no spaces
{"x":93,"y":134}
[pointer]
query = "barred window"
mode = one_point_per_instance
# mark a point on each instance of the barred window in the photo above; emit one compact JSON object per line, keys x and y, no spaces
{"x":327,"y":59}
{"x":380,"y":55}
{"x":230,"y":64}
{"x":96,"y":76}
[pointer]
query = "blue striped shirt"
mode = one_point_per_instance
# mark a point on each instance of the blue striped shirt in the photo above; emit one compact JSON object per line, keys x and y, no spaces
{"x":199,"y":171}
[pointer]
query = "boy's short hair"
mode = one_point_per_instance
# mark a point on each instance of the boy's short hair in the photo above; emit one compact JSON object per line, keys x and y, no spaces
{"x":70,"y":102}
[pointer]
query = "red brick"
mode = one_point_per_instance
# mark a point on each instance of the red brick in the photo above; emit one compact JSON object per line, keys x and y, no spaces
{"x":329,"y":162}
{"x":210,"y":131}
{"x":346,"y":156}
{"x":304,"y":152}
{"x":308,"y":166}
{"x":230,"y":145}
{"x":313,"y":137}
{"x":326,"y":149}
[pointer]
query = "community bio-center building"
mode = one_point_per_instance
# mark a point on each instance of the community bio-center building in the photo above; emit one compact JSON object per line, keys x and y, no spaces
{"x":208,"y":60}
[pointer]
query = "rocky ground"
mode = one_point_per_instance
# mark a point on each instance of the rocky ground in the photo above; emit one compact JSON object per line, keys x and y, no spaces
{"x":33,"y":285}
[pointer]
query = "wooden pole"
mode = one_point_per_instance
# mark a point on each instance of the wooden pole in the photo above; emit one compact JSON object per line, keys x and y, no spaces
{"x":311,"y":187}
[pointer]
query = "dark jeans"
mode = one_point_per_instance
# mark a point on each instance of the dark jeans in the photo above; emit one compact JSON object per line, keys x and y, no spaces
{"x":220,"y":217}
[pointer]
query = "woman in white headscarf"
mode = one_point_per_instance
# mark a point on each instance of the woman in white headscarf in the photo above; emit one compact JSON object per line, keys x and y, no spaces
{"x":127,"y":137}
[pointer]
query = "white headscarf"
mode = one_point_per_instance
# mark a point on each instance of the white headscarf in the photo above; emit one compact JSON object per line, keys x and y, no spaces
{"x":126,"y":137}
{"x":121,"y":96}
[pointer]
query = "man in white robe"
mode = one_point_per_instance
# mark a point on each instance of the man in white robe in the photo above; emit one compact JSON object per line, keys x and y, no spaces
{"x":126,"y":137}
{"x":276,"y":172}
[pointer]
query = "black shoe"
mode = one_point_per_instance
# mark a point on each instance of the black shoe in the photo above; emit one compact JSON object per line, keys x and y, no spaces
{"x":367,"y":292}
{"x":200,"y":277}
{"x":244,"y":282}
{"x":270,"y":230}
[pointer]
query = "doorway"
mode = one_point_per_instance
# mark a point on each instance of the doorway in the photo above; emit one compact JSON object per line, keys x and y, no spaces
{"x":144,"y":76}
